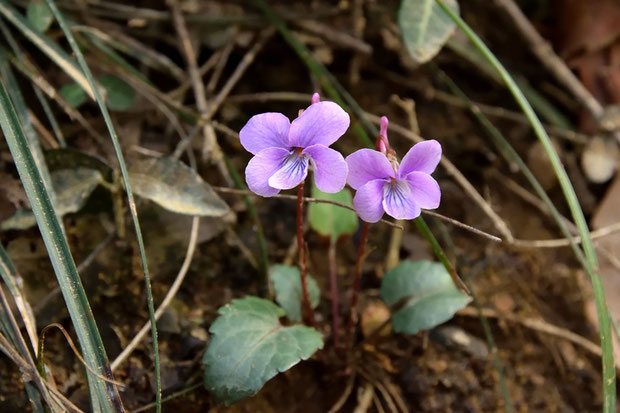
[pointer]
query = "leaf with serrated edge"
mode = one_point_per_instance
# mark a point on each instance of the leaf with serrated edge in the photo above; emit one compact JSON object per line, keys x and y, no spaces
{"x":176,"y":187}
{"x":249,"y":346}
{"x":425,"y":27}
{"x":332,"y":220}
{"x":286,"y":282}
{"x":426,"y":292}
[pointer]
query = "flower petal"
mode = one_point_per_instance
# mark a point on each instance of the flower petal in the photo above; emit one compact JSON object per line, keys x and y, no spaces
{"x":261,"y":167}
{"x":424,"y":190}
{"x":366,"y":165}
{"x":398,"y":200}
{"x":422,"y":157}
{"x":330,"y":169}
{"x":322,"y":123}
{"x":266,"y":130}
{"x":292,"y":171}
{"x":367,"y":200}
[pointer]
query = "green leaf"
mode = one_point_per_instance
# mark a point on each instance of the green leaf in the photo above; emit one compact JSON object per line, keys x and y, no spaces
{"x":40,"y":15}
{"x":73,"y":94}
{"x":249,"y":346}
{"x":119,"y":95}
{"x":425,"y":27}
{"x":332,"y":220}
{"x":176,"y":187}
{"x":426,"y":292}
{"x":72,"y":188}
{"x":286,"y":282}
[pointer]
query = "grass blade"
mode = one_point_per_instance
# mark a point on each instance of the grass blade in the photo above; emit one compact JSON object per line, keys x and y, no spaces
{"x":51,"y":49}
{"x":609,"y":372}
{"x":130,"y":198}
{"x":40,"y":96}
{"x":24,"y":117}
{"x":13,"y":281}
{"x":60,"y":255}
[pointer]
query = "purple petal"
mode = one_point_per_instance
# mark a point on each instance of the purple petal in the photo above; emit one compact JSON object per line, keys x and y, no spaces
{"x":266,"y":130}
{"x":366,"y":165}
{"x":398,"y":200}
{"x":424,"y":190}
{"x":261,"y":167}
{"x":322,"y":123}
{"x":367,"y":200}
{"x":330,"y":169}
{"x":292,"y":171}
{"x":422,"y":157}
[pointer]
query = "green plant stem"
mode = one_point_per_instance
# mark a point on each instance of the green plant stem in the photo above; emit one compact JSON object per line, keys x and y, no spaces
{"x":130,"y":198}
{"x":441,"y":256}
{"x":357,"y":277}
{"x":608,"y":366}
{"x":301,"y":249}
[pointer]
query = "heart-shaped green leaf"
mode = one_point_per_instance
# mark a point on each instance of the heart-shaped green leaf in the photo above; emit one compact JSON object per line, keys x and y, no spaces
{"x":249,"y":346}
{"x":425,"y":27}
{"x":332,"y":220}
{"x":286,"y":282}
{"x":425,"y":293}
{"x":176,"y":187}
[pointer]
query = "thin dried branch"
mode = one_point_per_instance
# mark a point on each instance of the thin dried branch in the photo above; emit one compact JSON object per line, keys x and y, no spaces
{"x":543,"y":50}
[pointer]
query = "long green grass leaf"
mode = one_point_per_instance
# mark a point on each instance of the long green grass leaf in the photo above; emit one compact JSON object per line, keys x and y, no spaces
{"x":24,"y":117}
{"x":608,"y":367}
{"x":47,"y":46}
{"x":40,"y":96}
{"x":130,"y":198}
{"x":60,"y":256}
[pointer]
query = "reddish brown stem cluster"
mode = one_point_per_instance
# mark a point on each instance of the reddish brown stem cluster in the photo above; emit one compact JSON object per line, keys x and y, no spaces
{"x":309,"y":312}
{"x":356,"y":284}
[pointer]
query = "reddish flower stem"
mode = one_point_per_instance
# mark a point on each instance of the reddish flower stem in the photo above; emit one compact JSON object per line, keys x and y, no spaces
{"x":356,"y":284}
{"x":333,"y":281}
{"x":301,"y":254}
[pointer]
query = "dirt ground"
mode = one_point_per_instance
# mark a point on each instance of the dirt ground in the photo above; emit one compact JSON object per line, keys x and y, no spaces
{"x":451,"y":368}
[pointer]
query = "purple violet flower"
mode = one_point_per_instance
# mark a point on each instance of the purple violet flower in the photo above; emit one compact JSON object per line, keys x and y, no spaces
{"x":385,"y":186}
{"x":283,"y":150}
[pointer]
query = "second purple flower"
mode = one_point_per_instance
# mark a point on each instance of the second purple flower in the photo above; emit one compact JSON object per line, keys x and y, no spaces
{"x":400,"y":190}
{"x":283,"y":150}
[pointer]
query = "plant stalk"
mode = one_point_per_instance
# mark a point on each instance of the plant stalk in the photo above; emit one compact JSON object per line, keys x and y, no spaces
{"x":356,"y":284}
{"x":302,"y":256}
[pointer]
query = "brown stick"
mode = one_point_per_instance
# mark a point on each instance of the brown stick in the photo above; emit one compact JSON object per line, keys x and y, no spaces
{"x":543,"y":50}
